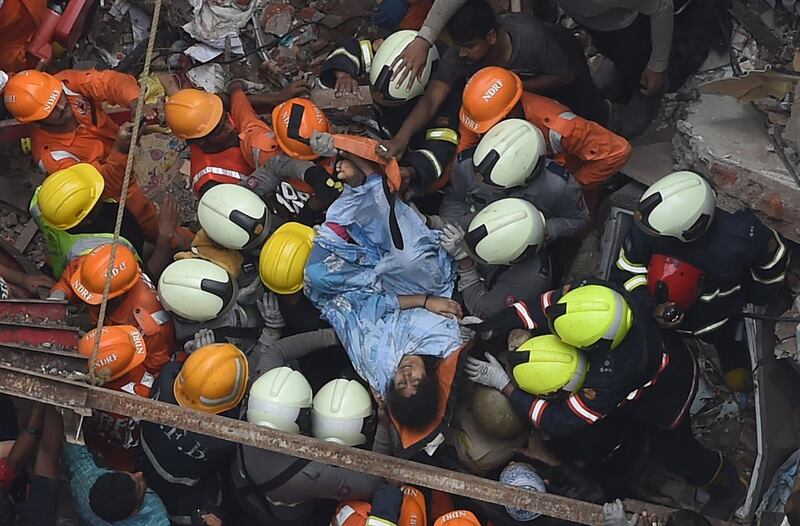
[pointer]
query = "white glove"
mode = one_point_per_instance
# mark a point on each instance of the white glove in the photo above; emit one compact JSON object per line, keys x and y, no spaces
{"x":249,"y":294}
{"x":614,"y":515}
{"x":322,"y":144}
{"x":489,"y":373}
{"x":57,"y":295}
{"x":271,"y":311}
{"x":452,"y":240}
{"x":201,"y":338}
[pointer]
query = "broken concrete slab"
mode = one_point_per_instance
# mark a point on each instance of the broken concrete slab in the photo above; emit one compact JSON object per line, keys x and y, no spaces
{"x":649,"y":162}
{"x":327,"y":99}
{"x":725,"y":141}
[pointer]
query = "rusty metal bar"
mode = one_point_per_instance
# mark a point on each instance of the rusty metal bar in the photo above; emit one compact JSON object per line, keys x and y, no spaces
{"x":81,"y":398}
{"x":46,"y":312}
{"x":61,"y":337}
{"x":41,"y":360}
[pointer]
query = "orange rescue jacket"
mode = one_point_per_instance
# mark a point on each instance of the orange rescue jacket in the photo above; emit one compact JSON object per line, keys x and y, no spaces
{"x":588,"y":150}
{"x":19,"y":20}
{"x":93,"y":139}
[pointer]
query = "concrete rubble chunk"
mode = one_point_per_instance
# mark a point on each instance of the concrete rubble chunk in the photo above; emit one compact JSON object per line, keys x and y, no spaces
{"x":726,"y":142}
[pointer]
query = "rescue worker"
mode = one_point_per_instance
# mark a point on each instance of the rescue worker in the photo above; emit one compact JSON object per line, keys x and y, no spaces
{"x":19,"y":20}
{"x":74,"y":218}
{"x":277,"y":487}
{"x":742,"y":261}
{"x":281,"y":267}
{"x":550,"y":61}
{"x":300,"y":185}
{"x":505,"y":238}
{"x":400,"y":14}
{"x":548,"y":58}
{"x":202,"y":297}
{"x":606,"y":355}
{"x":590,"y":152}
{"x":69,"y":126}
{"x":120,"y":358}
{"x":183,"y":467}
{"x":510,"y":161}
{"x":425,"y":165}
{"x":132,"y":299}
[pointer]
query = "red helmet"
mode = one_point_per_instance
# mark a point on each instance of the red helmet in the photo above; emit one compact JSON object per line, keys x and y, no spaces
{"x":670,"y":279}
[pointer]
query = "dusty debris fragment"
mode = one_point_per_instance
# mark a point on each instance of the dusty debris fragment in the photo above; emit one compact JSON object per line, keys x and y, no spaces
{"x":277,"y":18}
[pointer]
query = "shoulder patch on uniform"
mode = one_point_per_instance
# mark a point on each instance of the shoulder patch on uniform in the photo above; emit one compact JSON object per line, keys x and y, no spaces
{"x":509,"y":300}
{"x":466,"y":154}
{"x":558,"y":170}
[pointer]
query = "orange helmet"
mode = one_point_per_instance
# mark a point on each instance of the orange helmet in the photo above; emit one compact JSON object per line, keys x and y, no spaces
{"x":295,"y":120}
{"x":121,"y":349}
{"x":213,"y":379}
{"x":490,"y":94}
{"x":31,"y":95}
{"x":90,"y":277}
{"x":457,"y":518}
{"x":412,"y":511}
{"x":192,"y":113}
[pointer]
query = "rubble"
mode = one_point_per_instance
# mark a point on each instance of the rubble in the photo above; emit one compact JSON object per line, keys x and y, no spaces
{"x":726,"y":142}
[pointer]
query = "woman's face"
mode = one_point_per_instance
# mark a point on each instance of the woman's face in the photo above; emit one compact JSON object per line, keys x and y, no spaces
{"x":410,"y":373}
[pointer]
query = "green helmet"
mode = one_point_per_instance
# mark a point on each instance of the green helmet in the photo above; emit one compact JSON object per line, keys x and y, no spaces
{"x":591,"y":317}
{"x":494,"y":415}
{"x":544,"y":365}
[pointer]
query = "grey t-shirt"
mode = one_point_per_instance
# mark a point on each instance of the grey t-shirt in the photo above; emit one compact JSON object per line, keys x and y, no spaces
{"x":534,"y":51}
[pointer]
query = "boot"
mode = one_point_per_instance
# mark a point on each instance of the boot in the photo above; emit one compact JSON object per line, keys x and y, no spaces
{"x":727,"y":493}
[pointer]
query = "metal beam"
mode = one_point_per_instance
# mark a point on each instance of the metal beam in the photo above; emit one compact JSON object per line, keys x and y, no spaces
{"x":83,"y":398}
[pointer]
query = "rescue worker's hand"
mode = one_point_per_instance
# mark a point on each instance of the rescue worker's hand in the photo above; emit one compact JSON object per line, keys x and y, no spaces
{"x":57,"y":295}
{"x":391,"y":148}
{"x":211,"y":520}
{"x":664,"y":313}
{"x":345,"y":84}
{"x":322,"y":144}
{"x":382,"y":411}
{"x":124,"y":137}
{"x":614,"y":515}
{"x":201,"y":338}
{"x":444,"y":307}
{"x":298,"y":88}
{"x":452,"y":241}
{"x":31,"y":282}
{"x":489,"y":373}
{"x":149,"y":112}
{"x":652,"y":81}
{"x":234,"y":86}
{"x":411,"y":62}
{"x":168,"y":216}
{"x":271,"y":311}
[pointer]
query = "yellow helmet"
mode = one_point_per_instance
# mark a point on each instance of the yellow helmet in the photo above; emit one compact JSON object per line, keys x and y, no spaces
{"x":283,"y":258}
{"x":67,"y":196}
{"x":591,"y":317}
{"x":213,"y":379}
{"x":193,"y":113}
{"x":545,"y":364}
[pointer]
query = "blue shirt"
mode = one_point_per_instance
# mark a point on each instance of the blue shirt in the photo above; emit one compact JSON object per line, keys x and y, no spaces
{"x":83,"y":474}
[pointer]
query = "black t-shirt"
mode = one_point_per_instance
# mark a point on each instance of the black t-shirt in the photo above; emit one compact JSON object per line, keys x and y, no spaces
{"x":104,"y":221}
{"x":534,"y":51}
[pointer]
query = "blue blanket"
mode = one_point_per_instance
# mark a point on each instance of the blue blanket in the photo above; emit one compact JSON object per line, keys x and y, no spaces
{"x":356,"y":284}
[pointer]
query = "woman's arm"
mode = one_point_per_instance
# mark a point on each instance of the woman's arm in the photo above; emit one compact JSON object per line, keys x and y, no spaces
{"x":435,"y":304}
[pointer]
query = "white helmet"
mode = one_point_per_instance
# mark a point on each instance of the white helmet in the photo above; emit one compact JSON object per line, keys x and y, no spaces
{"x":196,"y":289}
{"x":280,"y":399}
{"x":510,"y":154}
{"x":506,"y":232}
{"x":680,"y":205}
{"x":233,"y":216}
{"x":380,"y":74}
{"x":341,"y":410}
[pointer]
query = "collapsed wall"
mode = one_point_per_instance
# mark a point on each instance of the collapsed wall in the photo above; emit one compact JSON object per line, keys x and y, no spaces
{"x":725,"y":141}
